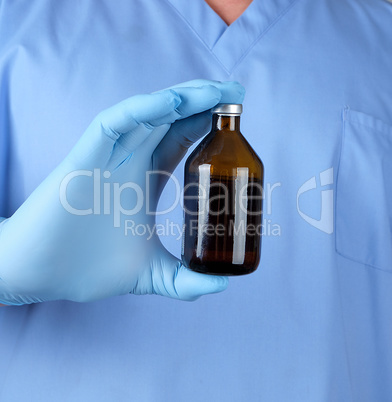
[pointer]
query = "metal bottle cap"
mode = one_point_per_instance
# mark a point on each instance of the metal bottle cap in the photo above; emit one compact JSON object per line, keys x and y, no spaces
{"x":228,"y":109}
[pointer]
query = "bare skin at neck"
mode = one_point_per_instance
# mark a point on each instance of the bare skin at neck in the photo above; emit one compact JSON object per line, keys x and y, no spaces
{"x":229,"y":10}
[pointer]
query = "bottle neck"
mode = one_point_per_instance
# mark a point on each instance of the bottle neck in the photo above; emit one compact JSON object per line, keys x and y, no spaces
{"x":225,"y":123}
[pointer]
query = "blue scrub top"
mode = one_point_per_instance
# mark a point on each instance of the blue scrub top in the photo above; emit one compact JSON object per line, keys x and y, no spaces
{"x":314,"y":322}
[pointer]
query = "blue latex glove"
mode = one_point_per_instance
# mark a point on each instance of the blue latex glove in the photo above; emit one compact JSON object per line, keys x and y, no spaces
{"x":67,"y":242}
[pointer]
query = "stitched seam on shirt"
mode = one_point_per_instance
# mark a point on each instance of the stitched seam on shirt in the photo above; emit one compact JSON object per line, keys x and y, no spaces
{"x":384,"y":130}
{"x":358,"y":261}
{"x":200,"y":38}
{"x":252,"y":45}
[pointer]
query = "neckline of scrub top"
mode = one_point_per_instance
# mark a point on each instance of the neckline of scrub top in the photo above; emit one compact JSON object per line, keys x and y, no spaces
{"x":230,"y":43}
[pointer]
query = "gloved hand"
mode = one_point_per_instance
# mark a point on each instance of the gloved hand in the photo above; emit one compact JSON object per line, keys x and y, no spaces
{"x":67,"y":240}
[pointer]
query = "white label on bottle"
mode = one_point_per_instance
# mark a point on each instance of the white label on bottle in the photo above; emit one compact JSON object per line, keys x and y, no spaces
{"x":183,"y":233}
{"x":241,"y":215}
{"x":204,"y":205}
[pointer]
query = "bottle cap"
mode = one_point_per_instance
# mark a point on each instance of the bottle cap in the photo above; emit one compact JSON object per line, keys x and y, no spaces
{"x":228,"y":109}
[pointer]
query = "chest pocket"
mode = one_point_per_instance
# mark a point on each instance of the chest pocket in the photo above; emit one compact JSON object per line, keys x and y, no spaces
{"x":363,"y":219}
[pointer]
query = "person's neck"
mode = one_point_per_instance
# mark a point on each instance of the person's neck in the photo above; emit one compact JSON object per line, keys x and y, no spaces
{"x":229,"y":10}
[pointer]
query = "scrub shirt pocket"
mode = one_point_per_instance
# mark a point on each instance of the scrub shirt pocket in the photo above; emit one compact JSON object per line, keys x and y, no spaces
{"x":363,"y":219}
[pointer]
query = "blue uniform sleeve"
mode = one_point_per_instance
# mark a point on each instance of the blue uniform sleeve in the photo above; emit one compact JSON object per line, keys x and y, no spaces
{"x":6,"y":25}
{"x":4,"y":148}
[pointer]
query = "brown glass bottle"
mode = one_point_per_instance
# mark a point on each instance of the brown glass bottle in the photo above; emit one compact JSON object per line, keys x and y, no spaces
{"x":223,"y":189}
